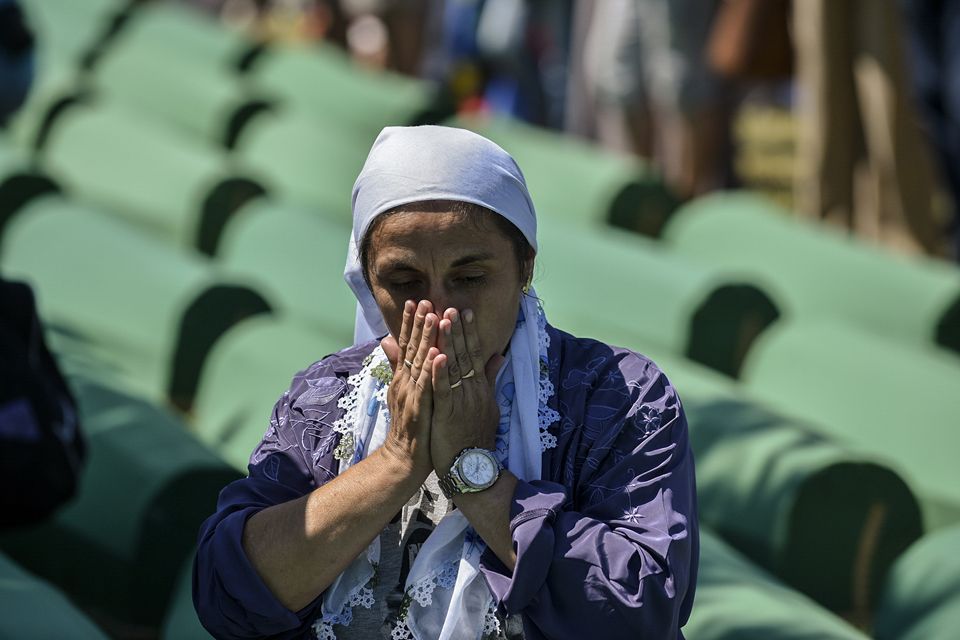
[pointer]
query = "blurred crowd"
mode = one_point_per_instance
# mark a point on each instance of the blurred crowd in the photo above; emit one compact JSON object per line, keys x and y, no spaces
{"x":870,"y":86}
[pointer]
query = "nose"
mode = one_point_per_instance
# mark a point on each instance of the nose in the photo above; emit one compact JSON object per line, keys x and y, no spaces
{"x":442,"y":298}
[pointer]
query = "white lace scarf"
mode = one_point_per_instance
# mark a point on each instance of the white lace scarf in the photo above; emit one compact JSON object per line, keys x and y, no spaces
{"x":445,"y":596}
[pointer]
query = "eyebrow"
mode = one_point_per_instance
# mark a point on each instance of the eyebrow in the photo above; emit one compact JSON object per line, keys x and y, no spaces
{"x":401,"y":265}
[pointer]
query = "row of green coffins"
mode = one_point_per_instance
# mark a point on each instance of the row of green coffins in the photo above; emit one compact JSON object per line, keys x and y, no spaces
{"x":187,"y":193}
{"x":157,"y":312}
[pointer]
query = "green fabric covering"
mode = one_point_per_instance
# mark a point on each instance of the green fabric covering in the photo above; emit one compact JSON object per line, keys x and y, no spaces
{"x":322,"y":81}
{"x":183,"y":35}
{"x":817,"y":272}
{"x":31,"y":608}
{"x":175,"y":188}
{"x":19,"y":183}
{"x":146,"y":487}
{"x":296,"y":259}
{"x":69,"y":27}
{"x":248,"y":370}
{"x":597,"y":281}
{"x":769,"y":484}
{"x":199,"y":101}
{"x":898,"y":403}
{"x":737,"y":601}
{"x":922,"y":597}
{"x":181,"y":622}
{"x":154,"y":310}
{"x":55,"y":81}
{"x":308,"y":160}
{"x":577,"y":182}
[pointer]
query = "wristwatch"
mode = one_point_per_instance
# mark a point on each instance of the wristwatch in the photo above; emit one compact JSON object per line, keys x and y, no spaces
{"x":473,"y":470}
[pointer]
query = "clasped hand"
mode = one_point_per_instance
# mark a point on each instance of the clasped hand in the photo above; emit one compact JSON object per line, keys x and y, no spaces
{"x":442,"y":397}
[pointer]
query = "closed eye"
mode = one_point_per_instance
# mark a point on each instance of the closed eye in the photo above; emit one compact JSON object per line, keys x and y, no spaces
{"x":471,"y":281}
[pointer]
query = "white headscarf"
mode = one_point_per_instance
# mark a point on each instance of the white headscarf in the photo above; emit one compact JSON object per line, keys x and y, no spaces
{"x":451,"y":600}
{"x":419,"y":164}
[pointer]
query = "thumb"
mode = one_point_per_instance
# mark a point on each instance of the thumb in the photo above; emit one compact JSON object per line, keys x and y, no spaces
{"x":392,"y":349}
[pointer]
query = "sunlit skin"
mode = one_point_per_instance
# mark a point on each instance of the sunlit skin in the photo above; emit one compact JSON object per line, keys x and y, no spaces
{"x":449,"y":289}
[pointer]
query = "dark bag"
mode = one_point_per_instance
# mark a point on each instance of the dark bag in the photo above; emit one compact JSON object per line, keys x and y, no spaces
{"x":41,"y":447}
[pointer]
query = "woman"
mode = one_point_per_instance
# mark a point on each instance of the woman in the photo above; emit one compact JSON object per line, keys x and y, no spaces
{"x":475,"y":473}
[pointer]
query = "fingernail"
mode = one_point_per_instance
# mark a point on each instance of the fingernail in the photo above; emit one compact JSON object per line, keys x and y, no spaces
{"x":468,"y":316}
{"x":446,"y":330}
{"x":429,"y":321}
{"x":454,"y":317}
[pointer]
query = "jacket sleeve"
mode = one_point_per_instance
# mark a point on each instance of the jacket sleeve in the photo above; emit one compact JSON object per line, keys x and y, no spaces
{"x":614,"y":553}
{"x":231,"y":599}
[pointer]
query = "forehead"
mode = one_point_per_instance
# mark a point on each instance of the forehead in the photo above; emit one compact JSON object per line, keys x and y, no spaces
{"x":446,"y":232}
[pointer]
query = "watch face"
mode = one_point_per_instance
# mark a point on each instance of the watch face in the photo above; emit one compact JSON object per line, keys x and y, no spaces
{"x":477,"y":469}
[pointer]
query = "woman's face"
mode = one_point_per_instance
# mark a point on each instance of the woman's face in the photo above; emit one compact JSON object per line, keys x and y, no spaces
{"x":454,"y":262}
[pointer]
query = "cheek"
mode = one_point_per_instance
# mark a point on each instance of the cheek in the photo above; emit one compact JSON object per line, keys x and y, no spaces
{"x":391,"y":308}
{"x":501,"y":314}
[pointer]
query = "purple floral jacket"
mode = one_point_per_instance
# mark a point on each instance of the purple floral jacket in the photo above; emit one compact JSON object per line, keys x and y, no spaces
{"x":607,"y":541}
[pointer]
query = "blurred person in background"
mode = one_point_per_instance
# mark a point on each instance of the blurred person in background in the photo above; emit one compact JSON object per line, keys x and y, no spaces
{"x":647,"y":87}
{"x":933,"y":28}
{"x":861,"y":161}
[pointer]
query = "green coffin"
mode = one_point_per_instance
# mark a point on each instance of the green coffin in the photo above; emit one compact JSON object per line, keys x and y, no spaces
{"x":147,"y":485}
{"x":72,"y":29}
{"x":181,"y":622}
{"x":199,"y":101}
{"x":579,"y":183}
{"x":897,"y":403}
{"x":816,"y":272}
{"x":19,"y":183}
{"x":598,"y":281}
{"x":154,"y":312}
{"x":182,"y":35}
{"x":175,"y":188}
{"x":922,"y":596}
{"x":737,"y":601}
{"x":306,"y":159}
{"x":825,"y":518}
{"x":295,"y":258}
{"x":322,"y":80}
{"x":247,"y":372}
{"x":31,"y":608}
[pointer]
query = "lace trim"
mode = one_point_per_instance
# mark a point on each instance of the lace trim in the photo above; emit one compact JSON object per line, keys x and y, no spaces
{"x":377,"y":368}
{"x":545,"y":415}
{"x":362,"y":596}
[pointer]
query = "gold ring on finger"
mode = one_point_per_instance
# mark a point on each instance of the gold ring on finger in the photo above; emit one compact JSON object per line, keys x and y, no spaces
{"x":407,"y":363}
{"x":469,"y":374}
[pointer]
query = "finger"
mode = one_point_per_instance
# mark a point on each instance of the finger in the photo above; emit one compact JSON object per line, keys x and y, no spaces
{"x":392,"y":350}
{"x":474,"y":352}
{"x":406,"y":325}
{"x":445,"y":344}
{"x":416,"y":333}
{"x":459,"y":347}
{"x":427,"y":341}
{"x":425,"y":379}
{"x":441,"y":381}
